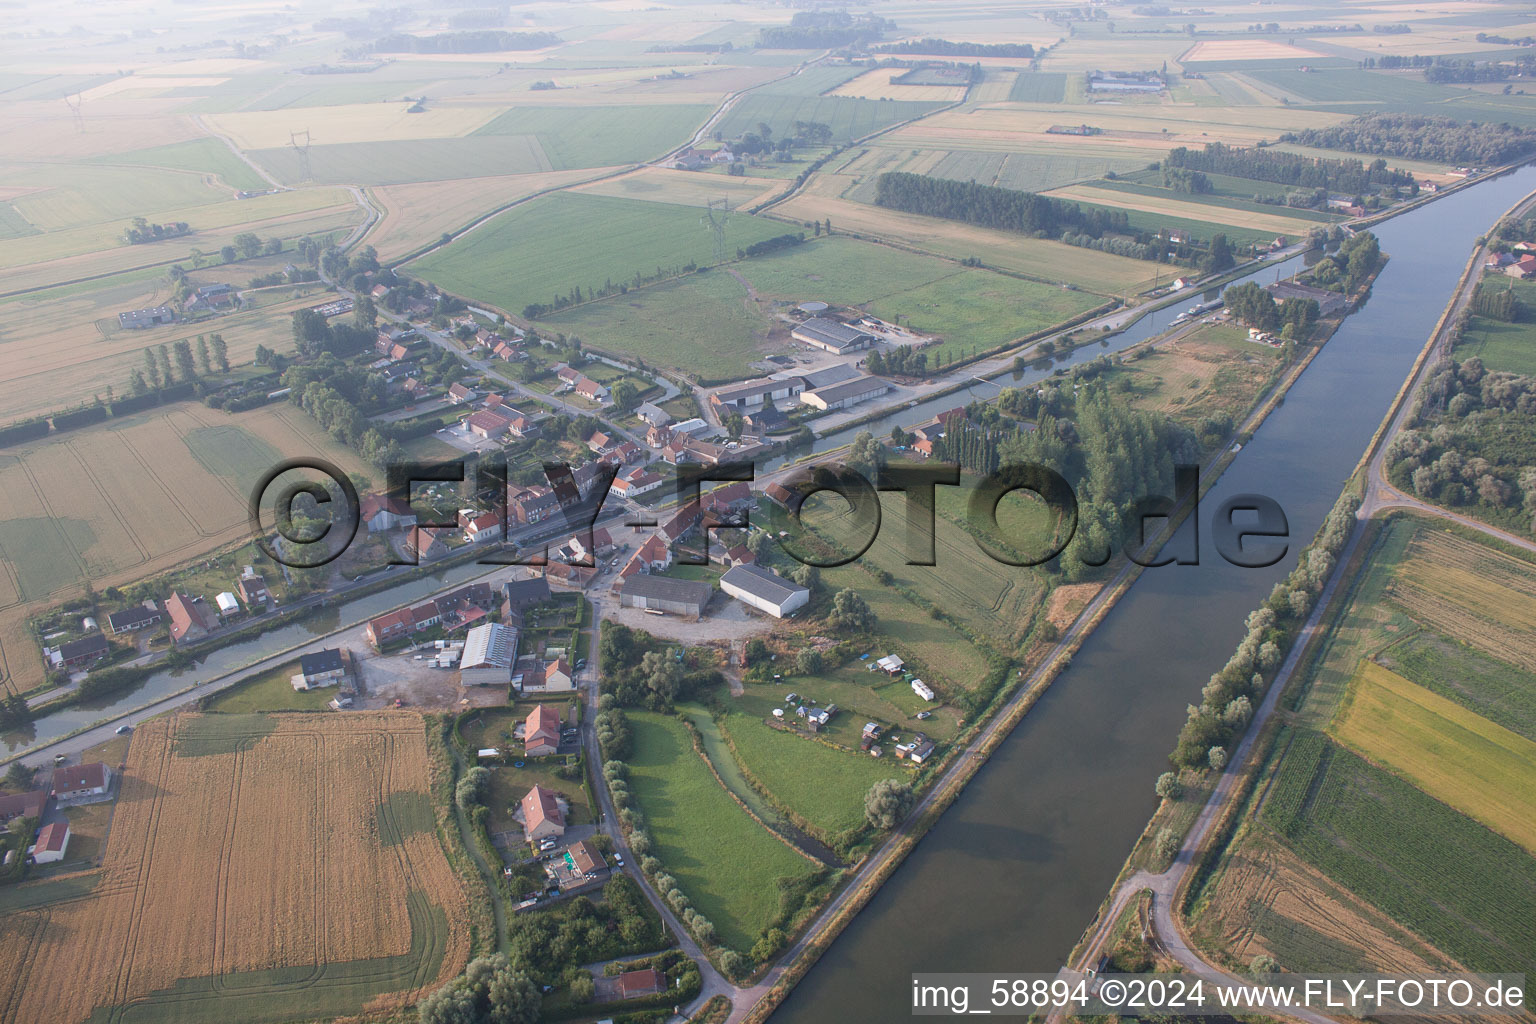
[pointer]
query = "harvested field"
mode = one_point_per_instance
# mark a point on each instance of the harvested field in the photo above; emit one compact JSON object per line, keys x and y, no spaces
{"x":351,"y":122}
{"x":1455,"y":756}
{"x":1463,"y":589}
{"x":1244,"y":49}
{"x":684,"y":188}
{"x":1158,"y":206}
{"x":324,"y":887}
{"x":877,"y":85}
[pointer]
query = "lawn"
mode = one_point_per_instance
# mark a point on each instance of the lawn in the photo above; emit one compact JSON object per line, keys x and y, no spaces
{"x":1452,"y":754}
{"x":270,"y":691}
{"x":724,"y":861}
{"x":824,"y":786}
{"x":1469,"y":891}
{"x":559,"y":243}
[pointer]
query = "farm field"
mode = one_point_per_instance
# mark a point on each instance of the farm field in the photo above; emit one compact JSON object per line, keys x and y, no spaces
{"x":725,"y":862}
{"x":878,"y":85}
{"x":684,"y":188}
{"x":1217,"y":201}
{"x":848,"y":118}
{"x":208,"y":156}
{"x":1358,"y":91}
{"x":331,"y":891}
{"x":600,"y":239}
{"x":1465,"y":761}
{"x":825,"y":787}
{"x":1152,"y":211}
{"x":1469,"y":892}
{"x":1493,"y":689}
{"x":1478,"y":595}
{"x":130,"y":498}
{"x":600,"y":136}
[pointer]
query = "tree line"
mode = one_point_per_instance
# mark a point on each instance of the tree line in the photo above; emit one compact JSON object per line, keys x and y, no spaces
{"x":949,"y":48}
{"x":487,"y":41}
{"x":1419,"y":137}
{"x":988,"y":206}
{"x":140,"y":231}
{"x":1283,"y":168}
{"x":815,"y":30}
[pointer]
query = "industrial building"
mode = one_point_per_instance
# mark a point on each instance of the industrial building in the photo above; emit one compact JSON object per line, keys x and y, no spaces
{"x":845,"y":394}
{"x":665,"y":594}
{"x":489,"y":652}
{"x":764,"y":590}
{"x":834,"y":337}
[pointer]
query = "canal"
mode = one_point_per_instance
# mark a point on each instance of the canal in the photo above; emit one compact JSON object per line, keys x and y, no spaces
{"x":1015,"y":870}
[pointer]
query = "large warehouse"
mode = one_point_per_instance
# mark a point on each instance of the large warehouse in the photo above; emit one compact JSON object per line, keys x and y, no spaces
{"x":665,"y":594}
{"x":489,"y":652}
{"x":836,"y":338}
{"x":845,"y":394}
{"x":764,"y":590}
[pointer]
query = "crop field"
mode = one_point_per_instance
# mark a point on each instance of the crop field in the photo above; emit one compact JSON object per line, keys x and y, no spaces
{"x":420,"y":212}
{"x":208,"y":156}
{"x":351,"y":122}
{"x":600,"y":136}
{"x":825,"y":787}
{"x":1245,"y":49}
{"x":1217,"y":201}
{"x":725,"y":862}
{"x":1466,"y":890}
{"x":1478,"y":595}
{"x":592,"y":240}
{"x":406,"y":161}
{"x":325,"y":890}
{"x":129,"y":498}
{"x":1147,"y":209}
{"x":1480,"y":768}
{"x":848,"y":118}
{"x":684,"y":188}
{"x":1099,"y":272}
{"x":1038,"y":87}
{"x":1495,"y":690}
{"x":878,"y":85}
{"x":1029,"y":172}
{"x":1358,"y":91}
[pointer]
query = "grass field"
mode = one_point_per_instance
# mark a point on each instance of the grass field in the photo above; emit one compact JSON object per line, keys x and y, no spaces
{"x":723,"y":860}
{"x":270,"y":691}
{"x":589,"y":240}
{"x":208,"y":156}
{"x":1039,"y":87}
{"x":330,"y":891}
{"x":1478,"y":595}
{"x":1153,"y":213}
{"x":1468,"y":891}
{"x":1216,"y":200}
{"x":848,"y":118}
{"x":1358,"y":91}
{"x":826,"y":787}
{"x":1213,"y":370}
{"x":1481,"y":769}
{"x":1493,"y":689}
{"x":600,"y":136}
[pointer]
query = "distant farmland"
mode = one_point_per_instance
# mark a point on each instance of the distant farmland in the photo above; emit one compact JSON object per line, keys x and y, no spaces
{"x":259,"y":869}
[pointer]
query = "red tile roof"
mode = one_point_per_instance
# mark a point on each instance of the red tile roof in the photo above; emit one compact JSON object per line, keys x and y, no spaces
{"x":641,"y":983}
{"x":78,"y":777}
{"x":185,"y":615}
{"x":543,"y":723}
{"x":539,"y":806}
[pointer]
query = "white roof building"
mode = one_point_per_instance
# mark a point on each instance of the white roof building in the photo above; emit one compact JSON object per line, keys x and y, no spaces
{"x":489,"y":652}
{"x":228,"y":603}
{"x":922,"y":689}
{"x":764,"y":590}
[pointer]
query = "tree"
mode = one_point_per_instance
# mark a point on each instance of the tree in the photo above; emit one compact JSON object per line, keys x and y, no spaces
{"x":247,"y":245}
{"x":866,"y":454}
{"x":1219,"y":257}
{"x":734,"y":425}
{"x":851,"y":613}
{"x":1263,"y":964}
{"x":272,"y":246}
{"x":887,"y":803}
{"x":227,"y":253}
{"x":625,"y":396}
{"x":472,"y":787}
{"x":202,"y":354}
{"x":18,"y":776}
{"x":583,"y":989}
{"x":492,"y":990}
{"x":151,"y":367}
{"x":164,"y":354}
{"x":184,"y":362}
{"x":137,"y":383}
{"x":662,"y":674}
{"x":1217,"y":756}
{"x":220,"y":352}
{"x":1166,"y":843}
{"x":809,"y":662}
{"x":364,"y":313}
{"x":1169,"y":787}
{"x":808,"y":576}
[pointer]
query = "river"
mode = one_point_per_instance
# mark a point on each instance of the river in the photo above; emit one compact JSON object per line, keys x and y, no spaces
{"x":1016,"y":868}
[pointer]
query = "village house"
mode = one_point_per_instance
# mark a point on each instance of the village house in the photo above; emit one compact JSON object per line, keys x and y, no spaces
{"x":529,"y":505}
{"x":586,"y":859}
{"x":542,"y":817}
{"x":1522,"y":269}
{"x":131,"y":620}
{"x":654,"y":415}
{"x":82,"y":783}
{"x":541,"y":731}
{"x":520,"y":594}
{"x":765,"y":420}
{"x":189,"y":620}
{"x":380,"y":512}
{"x":591,"y":389}
{"x":24,"y":805}
{"x":634,"y":984}
{"x":458,"y":394}
{"x":479,"y":528}
{"x":84,"y":652}
{"x":635,"y":482}
{"x":600,"y":442}
{"x":658,"y":436}
{"x":390,"y":626}
{"x":252,"y":589}
{"x":537,"y":676}
{"x":322,"y":668}
{"x":424,"y":545}
{"x":52,"y":842}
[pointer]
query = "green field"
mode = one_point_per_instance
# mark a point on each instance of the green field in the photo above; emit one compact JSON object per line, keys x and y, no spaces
{"x":825,"y":787}
{"x":1503,"y":346}
{"x":600,"y":136}
{"x":231,"y":452}
{"x":1031,"y":172}
{"x":723,"y":860}
{"x":700,"y":325}
{"x":1200,"y":230}
{"x":848,"y":117}
{"x":1039,"y":87}
{"x":410,"y":160}
{"x":41,"y":551}
{"x":560,"y":242}
{"x":1497,"y":691}
{"x":13,"y":224}
{"x":202,"y":155}
{"x":1218,"y":201}
{"x":1468,"y":891}
{"x":270,"y":691}
{"x":1357,"y":91}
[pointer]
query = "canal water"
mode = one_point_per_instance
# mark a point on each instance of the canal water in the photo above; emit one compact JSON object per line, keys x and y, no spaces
{"x":1016,"y":868}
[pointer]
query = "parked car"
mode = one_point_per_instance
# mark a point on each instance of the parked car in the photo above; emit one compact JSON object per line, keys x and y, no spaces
{"x":124,"y":730}
{"x":923,"y":716}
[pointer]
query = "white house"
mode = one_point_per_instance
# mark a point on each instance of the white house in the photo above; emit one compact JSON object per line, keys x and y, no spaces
{"x":322,"y":668}
{"x":82,"y":783}
{"x":52,"y":841}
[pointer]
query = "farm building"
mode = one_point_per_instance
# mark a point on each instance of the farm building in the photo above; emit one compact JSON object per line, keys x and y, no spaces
{"x":541,"y":731}
{"x":542,"y":817}
{"x":846,"y":394}
{"x":764,"y":590}
{"x":139,"y":319}
{"x":131,"y":620}
{"x":836,"y":373}
{"x":87,"y":651}
{"x":489,"y":652}
{"x":754,"y":394}
{"x":188,"y":621}
{"x":891,"y":664}
{"x":322,"y":668}
{"x":82,"y":783}
{"x":23,"y":805}
{"x":834,"y":337}
{"x":664,"y":594}
{"x":52,"y":841}
{"x":633,"y":984}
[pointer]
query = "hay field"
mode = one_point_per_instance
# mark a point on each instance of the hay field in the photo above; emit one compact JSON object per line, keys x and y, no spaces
{"x":257,"y":868}
{"x":1099,"y":272}
{"x":1482,"y":597}
{"x":1244,"y":49}
{"x":419,"y":212}
{"x":686,"y":188}
{"x":1157,"y":205}
{"x":1454,"y":755}
{"x":877,"y":85}
{"x":350,"y":122}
